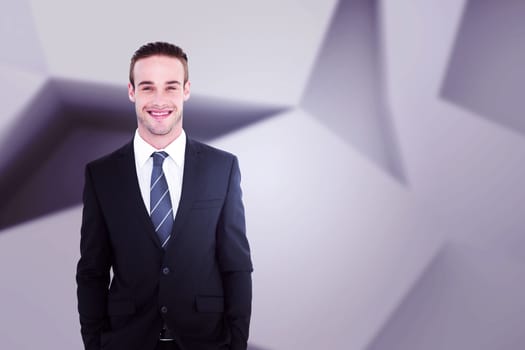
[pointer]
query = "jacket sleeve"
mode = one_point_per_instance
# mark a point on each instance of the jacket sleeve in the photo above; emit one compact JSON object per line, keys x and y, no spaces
{"x":233,"y":253}
{"x":93,"y":268}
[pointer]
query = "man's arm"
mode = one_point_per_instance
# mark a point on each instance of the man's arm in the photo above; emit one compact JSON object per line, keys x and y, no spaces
{"x":92,"y":269}
{"x":233,"y":253}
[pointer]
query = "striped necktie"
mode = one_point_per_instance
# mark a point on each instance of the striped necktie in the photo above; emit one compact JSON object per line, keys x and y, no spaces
{"x":160,"y":201}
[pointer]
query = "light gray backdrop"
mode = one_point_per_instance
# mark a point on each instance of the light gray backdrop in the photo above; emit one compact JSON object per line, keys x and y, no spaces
{"x":381,"y":145}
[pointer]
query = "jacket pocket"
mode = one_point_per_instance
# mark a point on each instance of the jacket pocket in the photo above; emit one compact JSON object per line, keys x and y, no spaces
{"x":120,"y":307}
{"x":207,"y":203}
{"x":209,"y":303}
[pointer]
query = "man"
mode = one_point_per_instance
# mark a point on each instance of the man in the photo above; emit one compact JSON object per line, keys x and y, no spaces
{"x":165,"y":214}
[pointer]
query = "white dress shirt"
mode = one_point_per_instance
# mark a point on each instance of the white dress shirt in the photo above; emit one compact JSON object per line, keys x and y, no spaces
{"x":173,"y":167}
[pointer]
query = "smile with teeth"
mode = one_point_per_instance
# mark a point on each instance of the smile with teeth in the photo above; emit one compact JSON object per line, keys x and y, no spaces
{"x":159,"y":113}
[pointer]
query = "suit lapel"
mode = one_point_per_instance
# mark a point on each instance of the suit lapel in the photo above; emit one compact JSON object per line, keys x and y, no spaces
{"x":131,"y":191}
{"x":190,"y":183}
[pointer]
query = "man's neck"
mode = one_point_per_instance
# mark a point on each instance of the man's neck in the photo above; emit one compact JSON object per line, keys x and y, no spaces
{"x":161,"y":141}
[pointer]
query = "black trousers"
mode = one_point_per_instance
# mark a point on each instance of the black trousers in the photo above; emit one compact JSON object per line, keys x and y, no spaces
{"x":167,"y":345}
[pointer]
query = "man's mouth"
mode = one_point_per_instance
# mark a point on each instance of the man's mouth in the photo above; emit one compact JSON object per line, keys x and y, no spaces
{"x":159,"y":113}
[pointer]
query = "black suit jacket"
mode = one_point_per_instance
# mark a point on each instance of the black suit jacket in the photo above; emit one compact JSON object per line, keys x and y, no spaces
{"x":200,"y":285}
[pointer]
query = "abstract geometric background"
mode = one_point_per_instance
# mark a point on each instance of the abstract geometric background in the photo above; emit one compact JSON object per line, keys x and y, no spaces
{"x":381,"y":145}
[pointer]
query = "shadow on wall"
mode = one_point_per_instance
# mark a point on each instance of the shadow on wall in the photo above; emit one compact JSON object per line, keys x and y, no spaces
{"x":466,"y":298}
{"x":346,"y":89}
{"x":485,"y":74}
{"x":70,"y":123}
{"x":254,"y":347}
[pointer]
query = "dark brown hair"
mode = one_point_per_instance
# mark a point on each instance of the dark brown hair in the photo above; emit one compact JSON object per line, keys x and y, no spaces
{"x":159,"y":49}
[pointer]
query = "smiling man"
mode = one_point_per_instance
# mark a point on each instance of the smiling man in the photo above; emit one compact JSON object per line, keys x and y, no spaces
{"x":165,"y":214}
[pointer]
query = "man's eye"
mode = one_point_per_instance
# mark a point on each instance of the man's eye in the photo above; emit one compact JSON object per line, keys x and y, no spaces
{"x":172,"y":88}
{"x":146,"y":88}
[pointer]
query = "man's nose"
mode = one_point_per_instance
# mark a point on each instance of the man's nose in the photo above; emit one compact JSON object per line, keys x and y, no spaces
{"x":160,"y":98}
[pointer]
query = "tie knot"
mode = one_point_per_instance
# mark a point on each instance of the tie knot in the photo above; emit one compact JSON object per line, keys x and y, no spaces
{"x":158,"y":158}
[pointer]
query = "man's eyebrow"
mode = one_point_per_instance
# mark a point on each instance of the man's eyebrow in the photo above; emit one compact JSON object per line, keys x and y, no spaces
{"x":171,"y":82}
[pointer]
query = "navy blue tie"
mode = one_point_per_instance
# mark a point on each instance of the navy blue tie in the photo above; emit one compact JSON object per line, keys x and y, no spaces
{"x":160,"y":201}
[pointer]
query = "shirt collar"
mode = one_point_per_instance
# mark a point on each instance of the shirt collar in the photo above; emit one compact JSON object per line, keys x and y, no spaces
{"x":144,"y":150}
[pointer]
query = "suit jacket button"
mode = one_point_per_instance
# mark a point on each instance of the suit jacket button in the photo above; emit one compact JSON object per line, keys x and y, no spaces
{"x":164,"y":310}
{"x":165,"y":270}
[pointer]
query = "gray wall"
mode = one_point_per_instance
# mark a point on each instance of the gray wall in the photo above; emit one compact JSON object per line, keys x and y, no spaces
{"x":381,"y":145}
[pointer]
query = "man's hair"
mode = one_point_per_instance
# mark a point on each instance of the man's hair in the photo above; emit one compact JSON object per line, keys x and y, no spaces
{"x":159,"y":49}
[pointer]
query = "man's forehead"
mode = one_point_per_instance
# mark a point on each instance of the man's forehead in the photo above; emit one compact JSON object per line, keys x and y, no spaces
{"x":159,"y":68}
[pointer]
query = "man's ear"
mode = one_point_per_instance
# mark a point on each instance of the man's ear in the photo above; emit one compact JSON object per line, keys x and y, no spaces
{"x":187,"y":89}
{"x":131,"y":92}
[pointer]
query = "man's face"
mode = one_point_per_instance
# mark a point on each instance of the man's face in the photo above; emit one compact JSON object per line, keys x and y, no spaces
{"x":159,"y":95}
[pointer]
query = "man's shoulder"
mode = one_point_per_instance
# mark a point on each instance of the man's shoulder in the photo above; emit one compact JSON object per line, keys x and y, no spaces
{"x":109,"y":158}
{"x":209,"y":151}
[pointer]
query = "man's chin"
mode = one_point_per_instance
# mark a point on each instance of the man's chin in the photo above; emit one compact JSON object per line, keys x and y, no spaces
{"x":158,"y":129}
{"x":162,"y":132}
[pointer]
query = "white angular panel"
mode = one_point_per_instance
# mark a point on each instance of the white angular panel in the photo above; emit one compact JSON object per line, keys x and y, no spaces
{"x":466,"y":299}
{"x":236,"y":49}
{"x":19,"y":37}
{"x":37,"y":265}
